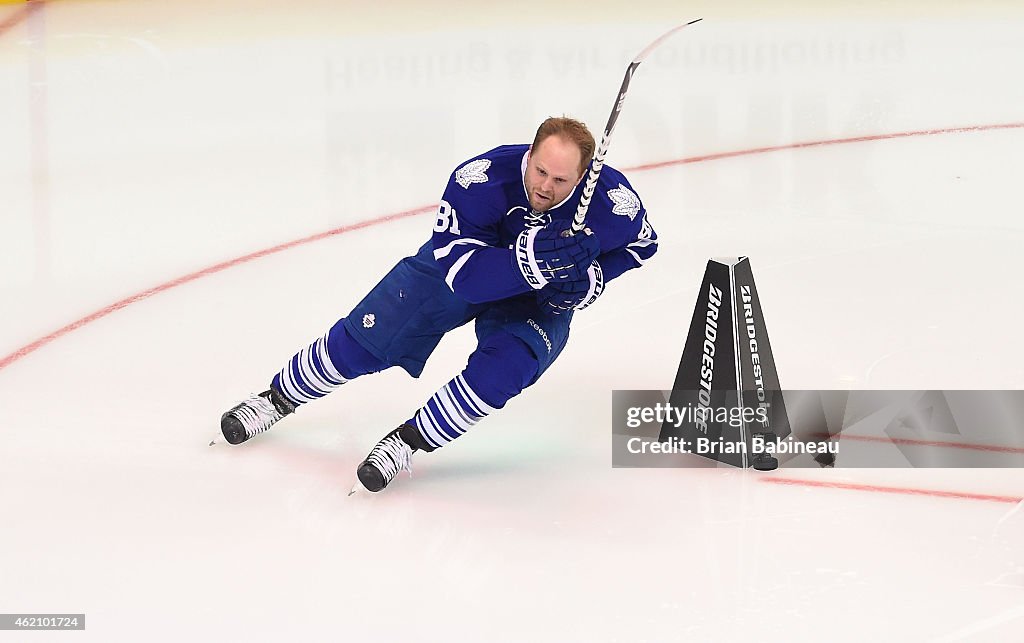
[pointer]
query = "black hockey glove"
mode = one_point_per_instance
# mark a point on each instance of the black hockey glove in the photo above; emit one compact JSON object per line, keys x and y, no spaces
{"x":577,"y":294}
{"x":545,"y":255}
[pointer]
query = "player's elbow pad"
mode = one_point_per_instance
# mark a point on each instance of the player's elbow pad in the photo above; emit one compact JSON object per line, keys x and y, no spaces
{"x":466,"y":289}
{"x":489,"y":275}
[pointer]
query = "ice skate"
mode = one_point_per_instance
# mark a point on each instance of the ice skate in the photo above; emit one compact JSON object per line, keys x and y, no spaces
{"x":254,"y":415}
{"x":391,"y":455}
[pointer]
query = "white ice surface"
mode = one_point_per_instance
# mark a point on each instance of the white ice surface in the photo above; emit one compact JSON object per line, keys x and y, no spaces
{"x":140,"y":142}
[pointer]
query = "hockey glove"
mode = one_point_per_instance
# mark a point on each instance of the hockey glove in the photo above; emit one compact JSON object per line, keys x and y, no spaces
{"x":577,"y":294}
{"x":545,"y":255}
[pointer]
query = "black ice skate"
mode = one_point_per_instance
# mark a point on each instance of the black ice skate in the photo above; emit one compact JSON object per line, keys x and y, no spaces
{"x":254,"y":415}
{"x":391,"y":455}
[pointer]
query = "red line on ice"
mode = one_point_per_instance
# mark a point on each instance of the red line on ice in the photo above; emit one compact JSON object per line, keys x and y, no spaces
{"x":924,"y":443}
{"x":103,"y":312}
{"x":832,"y":141}
{"x":958,"y":495}
{"x":32,"y":347}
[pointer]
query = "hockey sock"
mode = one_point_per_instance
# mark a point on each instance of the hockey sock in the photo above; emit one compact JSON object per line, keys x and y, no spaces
{"x":324,"y":365}
{"x":498,"y":370}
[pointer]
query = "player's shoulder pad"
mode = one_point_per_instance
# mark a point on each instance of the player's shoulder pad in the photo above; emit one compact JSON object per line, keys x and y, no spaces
{"x":623,"y":200}
{"x":489,"y":168}
{"x":474,"y":171}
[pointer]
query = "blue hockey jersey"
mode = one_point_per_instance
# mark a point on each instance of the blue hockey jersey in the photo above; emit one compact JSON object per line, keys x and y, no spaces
{"x":485,"y":207}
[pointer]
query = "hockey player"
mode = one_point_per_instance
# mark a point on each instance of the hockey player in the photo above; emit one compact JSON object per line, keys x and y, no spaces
{"x":499,"y":256}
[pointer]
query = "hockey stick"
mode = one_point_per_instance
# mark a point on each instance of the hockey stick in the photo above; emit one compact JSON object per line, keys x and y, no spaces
{"x":579,"y":219}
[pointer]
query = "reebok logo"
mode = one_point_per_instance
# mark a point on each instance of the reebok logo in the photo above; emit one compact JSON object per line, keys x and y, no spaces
{"x":540,"y":331}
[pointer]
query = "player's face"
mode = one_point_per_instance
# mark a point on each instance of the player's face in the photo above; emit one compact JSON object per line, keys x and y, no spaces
{"x":552,"y":172}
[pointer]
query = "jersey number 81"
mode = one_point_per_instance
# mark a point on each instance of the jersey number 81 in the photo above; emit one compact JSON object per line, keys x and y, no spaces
{"x":447,"y":220}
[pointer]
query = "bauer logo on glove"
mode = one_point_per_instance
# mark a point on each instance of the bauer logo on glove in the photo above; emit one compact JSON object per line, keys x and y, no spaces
{"x":546,"y":255}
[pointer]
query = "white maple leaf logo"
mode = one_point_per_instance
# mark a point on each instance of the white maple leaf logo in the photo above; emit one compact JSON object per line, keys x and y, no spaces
{"x":472,"y":173}
{"x":627,"y":203}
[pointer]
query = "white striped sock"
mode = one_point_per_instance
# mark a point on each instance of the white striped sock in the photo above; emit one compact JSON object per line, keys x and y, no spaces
{"x":310,"y":374}
{"x":452,"y":411}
